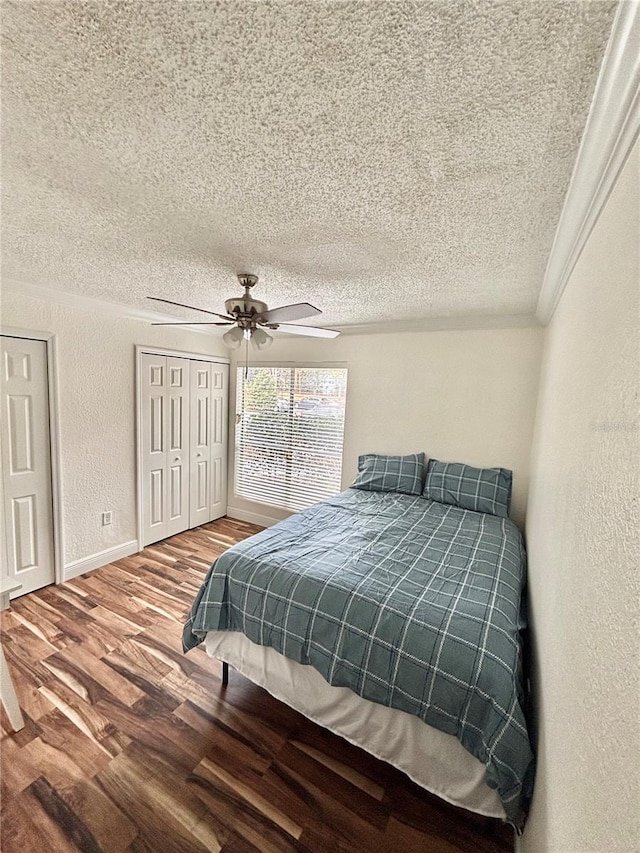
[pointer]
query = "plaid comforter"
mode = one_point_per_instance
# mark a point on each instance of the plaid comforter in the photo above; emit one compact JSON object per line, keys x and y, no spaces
{"x":405,"y":601}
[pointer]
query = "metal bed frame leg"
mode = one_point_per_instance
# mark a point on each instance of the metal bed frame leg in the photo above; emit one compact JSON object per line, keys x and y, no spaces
{"x":225,"y":673}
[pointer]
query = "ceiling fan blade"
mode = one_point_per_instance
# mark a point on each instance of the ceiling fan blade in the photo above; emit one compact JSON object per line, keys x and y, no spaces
{"x":310,"y":331}
{"x":198,"y":323}
{"x":192,"y":307}
{"x":297,"y":311}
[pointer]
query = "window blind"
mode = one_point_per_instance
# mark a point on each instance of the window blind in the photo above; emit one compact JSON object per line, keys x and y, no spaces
{"x":289,"y":434}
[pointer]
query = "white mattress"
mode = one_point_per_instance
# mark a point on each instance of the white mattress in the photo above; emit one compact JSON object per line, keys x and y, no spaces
{"x":435,"y":760}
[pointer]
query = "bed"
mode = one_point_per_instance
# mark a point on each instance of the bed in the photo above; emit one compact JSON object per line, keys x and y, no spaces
{"x":395,"y":621}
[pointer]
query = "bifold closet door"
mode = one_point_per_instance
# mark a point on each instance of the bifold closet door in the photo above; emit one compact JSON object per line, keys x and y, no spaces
{"x":209,"y":393}
{"x":165,"y":446}
{"x":178,"y":446}
{"x":199,"y":510}
{"x":219,"y":418}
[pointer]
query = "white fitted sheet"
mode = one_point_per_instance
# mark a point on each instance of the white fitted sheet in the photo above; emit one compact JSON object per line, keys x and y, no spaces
{"x":434,"y":760}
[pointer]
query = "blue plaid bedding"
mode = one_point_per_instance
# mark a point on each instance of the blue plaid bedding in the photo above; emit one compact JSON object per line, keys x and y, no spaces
{"x":406,"y":601}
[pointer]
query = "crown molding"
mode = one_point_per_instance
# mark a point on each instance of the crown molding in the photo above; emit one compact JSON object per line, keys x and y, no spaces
{"x":612,"y":127}
{"x":462,"y":322}
{"x":101,"y":306}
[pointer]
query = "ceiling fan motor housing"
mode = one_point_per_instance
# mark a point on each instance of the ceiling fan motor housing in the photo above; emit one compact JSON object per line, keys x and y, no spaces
{"x":244,"y":306}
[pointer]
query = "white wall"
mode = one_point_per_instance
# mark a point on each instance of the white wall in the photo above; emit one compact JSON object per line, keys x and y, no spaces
{"x":582,"y":528}
{"x":96,"y":389}
{"x":461,"y":396}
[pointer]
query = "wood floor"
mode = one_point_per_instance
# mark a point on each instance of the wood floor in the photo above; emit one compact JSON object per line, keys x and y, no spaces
{"x":129,"y":745}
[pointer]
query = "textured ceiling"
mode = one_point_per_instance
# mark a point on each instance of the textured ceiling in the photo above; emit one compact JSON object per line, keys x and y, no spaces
{"x":379,"y":159}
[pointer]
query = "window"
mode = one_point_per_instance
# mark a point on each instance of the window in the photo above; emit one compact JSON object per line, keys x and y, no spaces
{"x":289,"y":432}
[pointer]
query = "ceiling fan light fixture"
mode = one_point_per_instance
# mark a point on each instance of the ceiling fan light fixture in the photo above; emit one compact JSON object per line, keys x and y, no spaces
{"x":260,"y":339}
{"x":233,"y":338}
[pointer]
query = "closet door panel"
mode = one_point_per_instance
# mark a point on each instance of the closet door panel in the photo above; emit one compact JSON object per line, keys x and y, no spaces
{"x":178,"y":445}
{"x":200,"y":450}
{"x":153,"y":385}
{"x":156,"y":502}
{"x":219,"y":430}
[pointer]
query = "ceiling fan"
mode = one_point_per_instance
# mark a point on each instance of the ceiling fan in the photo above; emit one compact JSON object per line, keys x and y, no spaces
{"x":249,"y":317}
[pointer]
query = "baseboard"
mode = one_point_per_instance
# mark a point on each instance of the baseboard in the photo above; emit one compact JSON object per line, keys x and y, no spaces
{"x":102,"y":558}
{"x":252,"y":517}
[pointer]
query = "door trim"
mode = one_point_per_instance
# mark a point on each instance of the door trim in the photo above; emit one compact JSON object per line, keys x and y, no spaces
{"x":149,"y":350}
{"x":50,"y":340}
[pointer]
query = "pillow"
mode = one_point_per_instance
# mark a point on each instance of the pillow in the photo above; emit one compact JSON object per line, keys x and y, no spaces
{"x":480,"y":489}
{"x":402,"y":474}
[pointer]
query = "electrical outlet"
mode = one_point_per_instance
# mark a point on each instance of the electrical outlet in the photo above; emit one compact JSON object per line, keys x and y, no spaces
{"x":107,"y":518}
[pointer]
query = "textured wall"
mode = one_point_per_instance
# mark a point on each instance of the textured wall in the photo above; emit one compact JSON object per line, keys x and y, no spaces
{"x":464,"y":396}
{"x":96,"y":387}
{"x":582,"y":531}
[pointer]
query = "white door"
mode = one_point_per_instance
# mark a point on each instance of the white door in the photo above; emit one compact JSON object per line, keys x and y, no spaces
{"x":219,"y":402}
{"x":200,"y":450}
{"x":26,"y":463}
{"x":183,"y":444}
{"x":178,"y":445}
{"x":165,"y":436}
{"x":153,"y":382}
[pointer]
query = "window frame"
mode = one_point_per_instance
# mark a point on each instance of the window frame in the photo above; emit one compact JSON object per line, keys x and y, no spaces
{"x":233,"y":391}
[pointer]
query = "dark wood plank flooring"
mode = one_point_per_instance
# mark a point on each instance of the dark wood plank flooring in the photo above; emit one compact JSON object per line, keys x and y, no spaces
{"x":129,"y":745}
